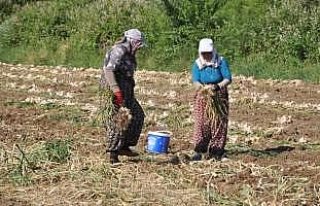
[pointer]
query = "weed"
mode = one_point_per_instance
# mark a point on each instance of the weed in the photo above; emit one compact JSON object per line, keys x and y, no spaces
{"x":19,"y":104}
{"x":19,"y":176}
{"x":20,"y":173}
{"x":58,"y":151}
{"x":49,"y":106}
{"x":176,"y":116}
{"x":214,"y":198}
{"x":70,"y":114}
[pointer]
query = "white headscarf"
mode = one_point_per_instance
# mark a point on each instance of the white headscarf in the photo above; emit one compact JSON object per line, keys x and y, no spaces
{"x":206,"y":45}
{"x":136,"y":39}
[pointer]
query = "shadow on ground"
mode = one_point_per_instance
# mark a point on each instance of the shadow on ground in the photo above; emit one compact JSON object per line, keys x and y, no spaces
{"x":258,"y":153}
{"x":231,"y":152}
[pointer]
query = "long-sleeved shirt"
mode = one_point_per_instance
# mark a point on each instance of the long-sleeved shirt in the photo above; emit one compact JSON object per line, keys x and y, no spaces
{"x":211,"y":74}
{"x":118,"y":69}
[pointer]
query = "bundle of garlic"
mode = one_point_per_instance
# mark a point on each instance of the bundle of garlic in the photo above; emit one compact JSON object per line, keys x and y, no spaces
{"x":215,"y":109}
{"x":106,"y":107}
{"x":122,"y":118}
{"x":108,"y":112}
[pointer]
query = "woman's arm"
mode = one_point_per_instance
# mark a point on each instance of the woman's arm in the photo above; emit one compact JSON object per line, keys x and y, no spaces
{"x":226,"y":74}
{"x":196,"y":77}
{"x":111,"y":61}
{"x":111,"y":80}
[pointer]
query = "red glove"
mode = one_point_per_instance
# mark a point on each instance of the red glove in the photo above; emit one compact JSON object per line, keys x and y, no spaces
{"x":118,"y":98}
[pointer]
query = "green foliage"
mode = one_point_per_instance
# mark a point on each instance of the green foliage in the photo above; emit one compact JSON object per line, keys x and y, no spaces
{"x":19,"y":177}
{"x":258,"y":37}
{"x":286,"y":29}
{"x":8,"y":7}
{"x":70,"y":114}
{"x":19,"y":104}
{"x":20,"y":173}
{"x":58,"y":150}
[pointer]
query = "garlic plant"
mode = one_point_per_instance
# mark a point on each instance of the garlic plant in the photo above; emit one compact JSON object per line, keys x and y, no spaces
{"x":215,"y":109}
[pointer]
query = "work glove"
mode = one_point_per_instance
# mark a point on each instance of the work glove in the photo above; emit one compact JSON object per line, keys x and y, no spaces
{"x":118,"y":98}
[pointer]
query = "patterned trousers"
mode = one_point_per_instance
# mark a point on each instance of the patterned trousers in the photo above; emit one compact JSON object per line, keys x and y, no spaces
{"x":116,"y":139}
{"x":206,"y":136}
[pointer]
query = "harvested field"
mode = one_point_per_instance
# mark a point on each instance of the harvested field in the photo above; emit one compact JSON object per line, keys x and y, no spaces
{"x":52,"y":148}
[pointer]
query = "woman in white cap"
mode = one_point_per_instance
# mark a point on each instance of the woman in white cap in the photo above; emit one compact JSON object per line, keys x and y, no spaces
{"x":118,"y":76}
{"x":210,"y":72}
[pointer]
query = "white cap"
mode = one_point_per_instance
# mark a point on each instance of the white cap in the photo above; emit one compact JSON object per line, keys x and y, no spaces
{"x":206,"y":45}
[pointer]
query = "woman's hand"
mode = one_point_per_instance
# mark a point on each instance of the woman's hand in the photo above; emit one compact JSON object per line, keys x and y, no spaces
{"x":224,"y":83}
{"x":197,"y":86}
{"x":216,"y":87}
{"x":213,"y":87}
{"x":118,"y":98}
{"x":208,"y":86}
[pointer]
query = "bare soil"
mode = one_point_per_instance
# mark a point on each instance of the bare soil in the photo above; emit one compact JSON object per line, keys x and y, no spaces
{"x":273,"y":148}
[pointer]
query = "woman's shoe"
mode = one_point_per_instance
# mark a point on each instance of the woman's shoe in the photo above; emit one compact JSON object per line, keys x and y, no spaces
{"x":126,"y":151}
{"x":196,"y":156}
{"x":217,"y":154}
{"x":114,"y":158}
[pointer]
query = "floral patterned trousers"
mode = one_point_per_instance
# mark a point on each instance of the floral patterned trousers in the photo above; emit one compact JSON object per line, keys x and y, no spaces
{"x":209,"y":138}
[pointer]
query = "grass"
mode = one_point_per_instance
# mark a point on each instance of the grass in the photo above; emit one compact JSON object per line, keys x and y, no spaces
{"x":21,"y":169}
{"x":19,"y":177}
{"x":19,"y":173}
{"x":175,"y":117}
{"x":19,"y":104}
{"x":237,"y":149}
{"x":77,"y":33}
{"x":261,"y":67}
{"x":24,"y":104}
{"x":147,"y":183}
{"x":58,"y":151}
{"x":70,"y":114}
{"x":213,"y":197}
